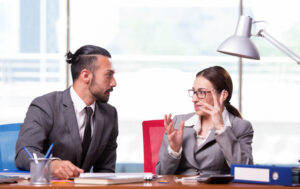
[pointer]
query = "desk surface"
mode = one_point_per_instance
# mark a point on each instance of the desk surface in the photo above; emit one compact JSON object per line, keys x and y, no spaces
{"x":155,"y":184}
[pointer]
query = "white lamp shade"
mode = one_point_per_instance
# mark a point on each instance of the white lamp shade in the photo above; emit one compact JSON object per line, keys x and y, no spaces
{"x":240,"y":44}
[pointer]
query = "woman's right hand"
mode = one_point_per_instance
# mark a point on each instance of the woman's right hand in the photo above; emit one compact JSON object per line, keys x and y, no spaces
{"x":174,"y":136}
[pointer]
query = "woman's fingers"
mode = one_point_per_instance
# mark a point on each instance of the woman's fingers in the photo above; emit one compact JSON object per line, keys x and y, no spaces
{"x":168,"y":123}
{"x":181,"y":127}
{"x":165,"y":121}
{"x":206,"y":106}
{"x":169,"y":117}
{"x":222,"y":97}
{"x":206,"y":111}
{"x":170,"y":127}
{"x":214,"y":95}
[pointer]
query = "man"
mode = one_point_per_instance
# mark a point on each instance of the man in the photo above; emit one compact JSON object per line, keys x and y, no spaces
{"x":78,"y":121}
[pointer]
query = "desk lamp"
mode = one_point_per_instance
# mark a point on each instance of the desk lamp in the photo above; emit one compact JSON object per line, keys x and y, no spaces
{"x":240,"y":44}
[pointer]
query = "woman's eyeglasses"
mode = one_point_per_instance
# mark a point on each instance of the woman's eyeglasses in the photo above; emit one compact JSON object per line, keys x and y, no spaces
{"x":200,"y":93}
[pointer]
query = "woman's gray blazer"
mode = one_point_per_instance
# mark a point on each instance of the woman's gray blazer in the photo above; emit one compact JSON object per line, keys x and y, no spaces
{"x":214,"y":156}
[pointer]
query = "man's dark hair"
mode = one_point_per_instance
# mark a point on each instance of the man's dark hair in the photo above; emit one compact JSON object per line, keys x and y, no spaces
{"x":84,"y":58}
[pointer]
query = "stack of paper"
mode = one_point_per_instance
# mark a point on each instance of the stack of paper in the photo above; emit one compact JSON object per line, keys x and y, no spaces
{"x":112,"y":178}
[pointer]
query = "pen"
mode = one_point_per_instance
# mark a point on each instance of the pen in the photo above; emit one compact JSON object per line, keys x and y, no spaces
{"x":49,"y":151}
{"x":35,"y":158}
{"x":26,"y":150}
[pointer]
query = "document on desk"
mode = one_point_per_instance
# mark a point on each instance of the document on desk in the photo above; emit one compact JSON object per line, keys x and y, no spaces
{"x":9,"y":179}
{"x":112,"y":178}
{"x":16,"y":174}
{"x":147,"y":176}
{"x":187,"y":178}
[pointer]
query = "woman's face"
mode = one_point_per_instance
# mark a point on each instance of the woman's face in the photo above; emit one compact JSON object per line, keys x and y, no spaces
{"x":203,"y":89}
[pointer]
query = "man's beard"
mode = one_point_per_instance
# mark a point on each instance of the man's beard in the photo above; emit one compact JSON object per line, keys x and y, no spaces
{"x":102,"y":97}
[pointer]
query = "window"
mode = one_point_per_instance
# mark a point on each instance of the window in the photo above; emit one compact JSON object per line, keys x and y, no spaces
{"x":32,"y":50}
{"x":271,"y":86}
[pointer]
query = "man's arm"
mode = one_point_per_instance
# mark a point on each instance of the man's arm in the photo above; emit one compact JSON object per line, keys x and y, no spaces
{"x":33,"y":133}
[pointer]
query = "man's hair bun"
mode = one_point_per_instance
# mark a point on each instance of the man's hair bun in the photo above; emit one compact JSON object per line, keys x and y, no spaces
{"x":69,"y":58}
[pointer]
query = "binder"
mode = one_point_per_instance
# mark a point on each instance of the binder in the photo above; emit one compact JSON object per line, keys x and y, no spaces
{"x":266,"y":174}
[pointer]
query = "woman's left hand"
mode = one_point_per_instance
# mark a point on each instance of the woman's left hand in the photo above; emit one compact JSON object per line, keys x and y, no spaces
{"x":216,"y":110}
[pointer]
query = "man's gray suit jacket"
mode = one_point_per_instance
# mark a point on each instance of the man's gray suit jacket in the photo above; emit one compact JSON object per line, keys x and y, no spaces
{"x":214,"y":156}
{"x":51,"y":119}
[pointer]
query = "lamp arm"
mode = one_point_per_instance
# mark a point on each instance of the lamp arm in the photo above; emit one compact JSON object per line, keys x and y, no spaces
{"x":280,"y":46}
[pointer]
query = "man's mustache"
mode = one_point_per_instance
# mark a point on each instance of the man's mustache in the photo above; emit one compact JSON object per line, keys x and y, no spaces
{"x":109,"y":90}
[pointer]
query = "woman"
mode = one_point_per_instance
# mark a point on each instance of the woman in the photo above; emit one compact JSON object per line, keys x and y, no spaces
{"x":212,"y":138}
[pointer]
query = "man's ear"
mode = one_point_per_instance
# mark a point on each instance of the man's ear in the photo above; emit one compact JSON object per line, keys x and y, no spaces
{"x":86,"y":76}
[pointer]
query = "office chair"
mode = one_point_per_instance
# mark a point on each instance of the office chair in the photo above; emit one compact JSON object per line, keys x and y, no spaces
{"x":153,"y":131}
{"x":8,"y":138}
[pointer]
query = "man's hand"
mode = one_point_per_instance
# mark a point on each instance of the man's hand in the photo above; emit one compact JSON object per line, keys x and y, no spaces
{"x":64,"y":169}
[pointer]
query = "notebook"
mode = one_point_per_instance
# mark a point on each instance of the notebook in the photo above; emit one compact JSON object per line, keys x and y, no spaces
{"x":109,"y":179}
{"x":9,"y":179}
{"x":147,"y":176}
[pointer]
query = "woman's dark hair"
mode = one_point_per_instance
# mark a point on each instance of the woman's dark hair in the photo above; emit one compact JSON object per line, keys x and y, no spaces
{"x":84,"y":58}
{"x":220,"y":79}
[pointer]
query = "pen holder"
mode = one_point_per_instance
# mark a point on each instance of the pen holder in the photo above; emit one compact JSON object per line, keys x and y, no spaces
{"x":40,"y":171}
